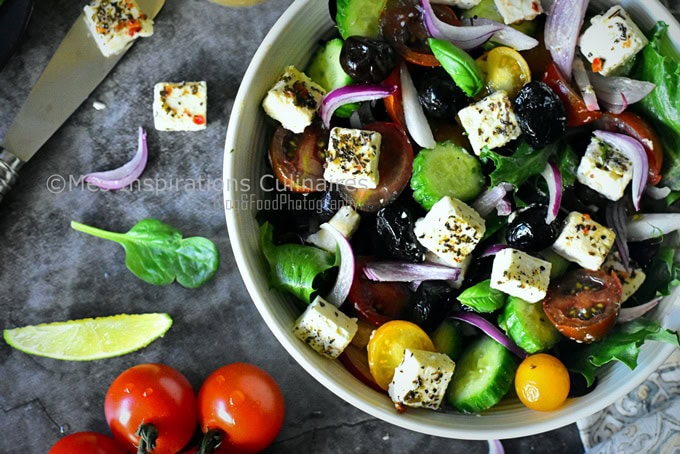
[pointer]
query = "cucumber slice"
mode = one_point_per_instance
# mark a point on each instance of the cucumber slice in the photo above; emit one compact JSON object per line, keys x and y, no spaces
{"x":559,"y":263}
{"x":483,"y":376}
{"x":359,"y":17}
{"x":527,"y":325}
{"x":447,"y":339}
{"x":325,"y":69}
{"x":446,"y":169}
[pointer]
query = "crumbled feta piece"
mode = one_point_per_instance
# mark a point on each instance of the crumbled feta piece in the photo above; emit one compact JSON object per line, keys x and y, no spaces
{"x":519,"y":274}
{"x":115,"y":24}
{"x":490,"y":122}
{"x":345,"y":220}
{"x":514,"y":11}
{"x":584,"y":241}
{"x":631,"y":279}
{"x":611,"y":41}
{"x":451,"y":230}
{"x":421,"y":379}
{"x":352,"y":158}
{"x":325,"y":328}
{"x":180,"y":106}
{"x":293,"y":100}
{"x":605,"y":169}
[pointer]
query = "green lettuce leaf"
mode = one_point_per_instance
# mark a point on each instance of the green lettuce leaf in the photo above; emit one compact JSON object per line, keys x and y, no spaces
{"x":622,"y":344}
{"x":294,"y":267}
{"x":519,"y":167}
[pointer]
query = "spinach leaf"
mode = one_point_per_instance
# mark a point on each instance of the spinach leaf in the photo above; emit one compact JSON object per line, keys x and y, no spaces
{"x":462,"y":68}
{"x":156,"y":253}
{"x":482,"y":298}
{"x":294,"y":267}
{"x":567,"y":161}
{"x":622,"y":344}
{"x":518,"y":168}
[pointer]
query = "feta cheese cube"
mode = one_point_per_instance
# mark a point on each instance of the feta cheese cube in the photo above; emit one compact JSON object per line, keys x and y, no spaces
{"x":293,"y":100}
{"x":631,"y":278}
{"x":584,"y":241}
{"x":490,"y":122}
{"x":352,"y":158}
{"x":611,"y":41}
{"x":345,"y":220}
{"x":605,"y":169}
{"x":451,"y":230}
{"x":519,"y":274}
{"x":180,"y":106}
{"x":325,"y":328}
{"x":514,"y":11}
{"x":421,"y":379}
{"x":115,"y":24}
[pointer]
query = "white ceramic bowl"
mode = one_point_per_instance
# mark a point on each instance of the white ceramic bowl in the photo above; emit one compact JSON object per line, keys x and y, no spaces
{"x":291,"y":41}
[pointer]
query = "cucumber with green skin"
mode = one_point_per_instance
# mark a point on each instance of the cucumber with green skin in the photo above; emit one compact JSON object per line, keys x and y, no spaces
{"x":447,"y":339}
{"x":446,"y":170}
{"x":325,"y":69}
{"x":527,"y":325}
{"x":483,"y":375}
{"x":359,"y":17}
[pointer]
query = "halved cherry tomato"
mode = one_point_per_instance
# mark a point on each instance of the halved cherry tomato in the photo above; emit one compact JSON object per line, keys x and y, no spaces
{"x":632,"y":125}
{"x":504,"y":69}
{"x":147,"y":398}
{"x":542,"y":382}
{"x":297,"y":159}
{"x":393,"y":103}
{"x":387,"y":346}
{"x":583,"y":305}
{"x":86,"y":442}
{"x":577,"y":113}
{"x":377,"y":302}
{"x":395,"y":167}
{"x":355,"y":360}
{"x":402,"y":25}
{"x":243,"y":406}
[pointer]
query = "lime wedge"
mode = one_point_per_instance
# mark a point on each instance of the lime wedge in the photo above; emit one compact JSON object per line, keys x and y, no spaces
{"x":89,"y":338}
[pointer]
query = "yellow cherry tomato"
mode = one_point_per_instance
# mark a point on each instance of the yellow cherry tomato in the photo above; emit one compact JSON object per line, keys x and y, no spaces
{"x":504,"y":69}
{"x":542,"y":382}
{"x":387,"y":345}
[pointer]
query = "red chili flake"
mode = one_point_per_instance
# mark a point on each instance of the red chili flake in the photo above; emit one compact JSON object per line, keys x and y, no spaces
{"x":134,"y":27}
{"x":597,"y":64}
{"x":199,"y":119}
{"x":534,"y":6}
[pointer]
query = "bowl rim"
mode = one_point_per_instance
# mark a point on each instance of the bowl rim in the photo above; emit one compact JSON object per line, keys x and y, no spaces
{"x":412,"y":420}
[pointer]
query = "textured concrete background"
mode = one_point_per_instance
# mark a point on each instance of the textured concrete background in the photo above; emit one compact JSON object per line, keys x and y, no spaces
{"x":49,"y":272}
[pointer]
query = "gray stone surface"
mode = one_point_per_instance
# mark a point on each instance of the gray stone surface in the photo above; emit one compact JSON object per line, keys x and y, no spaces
{"x":49,"y":272}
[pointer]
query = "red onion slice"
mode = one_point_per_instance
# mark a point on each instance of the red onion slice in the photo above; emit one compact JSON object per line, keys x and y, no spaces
{"x":657,"y":193}
{"x":615,"y":215}
{"x":349,"y":94}
{"x":416,"y":122}
{"x":635,"y":152}
{"x":616,"y":93}
{"x":585,"y":86}
{"x":409,"y":272}
{"x":507,"y":35}
{"x":495,"y":447}
{"x":562,"y":28}
{"x":464,"y":37}
{"x":553,"y":177}
{"x":493,"y":250}
{"x":491,"y":330}
{"x":340,"y":290}
{"x":652,"y":225}
{"x":627,"y":314}
{"x":494,"y":198}
{"x":126,"y":174}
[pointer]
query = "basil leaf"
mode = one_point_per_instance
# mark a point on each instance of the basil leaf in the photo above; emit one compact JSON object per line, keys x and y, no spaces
{"x":156,"y":253}
{"x":459,"y":64}
{"x":294,"y":267}
{"x":482,"y":298}
{"x":518,"y":168}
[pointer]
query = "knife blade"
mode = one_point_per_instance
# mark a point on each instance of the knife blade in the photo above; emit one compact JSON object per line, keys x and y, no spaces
{"x":75,"y":70}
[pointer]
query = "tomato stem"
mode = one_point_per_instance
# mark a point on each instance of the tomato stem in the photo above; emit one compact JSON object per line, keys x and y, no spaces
{"x":211,"y":440}
{"x":147,"y":433}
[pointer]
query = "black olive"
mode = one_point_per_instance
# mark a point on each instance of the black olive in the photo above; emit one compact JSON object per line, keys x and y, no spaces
{"x":439,"y":95}
{"x":394,"y":224}
{"x":644,"y":252}
{"x":433,"y":301}
{"x":540,"y":114}
{"x":367,"y":60}
{"x":578,"y":386}
{"x":529,"y":231}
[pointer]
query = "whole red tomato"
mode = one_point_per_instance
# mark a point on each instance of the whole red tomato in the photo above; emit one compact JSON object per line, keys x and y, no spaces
{"x":154,"y":401}
{"x":241,"y":405}
{"x":86,"y":442}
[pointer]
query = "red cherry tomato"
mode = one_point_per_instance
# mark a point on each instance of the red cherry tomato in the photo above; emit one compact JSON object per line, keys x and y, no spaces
{"x":377,"y":302}
{"x":583,"y":305}
{"x":297,"y":158}
{"x":154,"y":396}
{"x":355,"y":360}
{"x":393,"y":103}
{"x":86,"y":442}
{"x":243,"y":405}
{"x":577,"y":113}
{"x":395,"y":167}
{"x":632,"y":125}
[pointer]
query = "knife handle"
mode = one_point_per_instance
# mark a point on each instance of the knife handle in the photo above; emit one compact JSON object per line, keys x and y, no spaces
{"x":9,"y":171}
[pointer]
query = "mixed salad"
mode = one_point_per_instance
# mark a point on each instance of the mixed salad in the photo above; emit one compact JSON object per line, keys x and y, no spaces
{"x":490,"y":196}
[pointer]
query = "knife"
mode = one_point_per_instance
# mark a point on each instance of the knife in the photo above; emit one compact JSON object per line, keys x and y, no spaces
{"x":75,"y":70}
